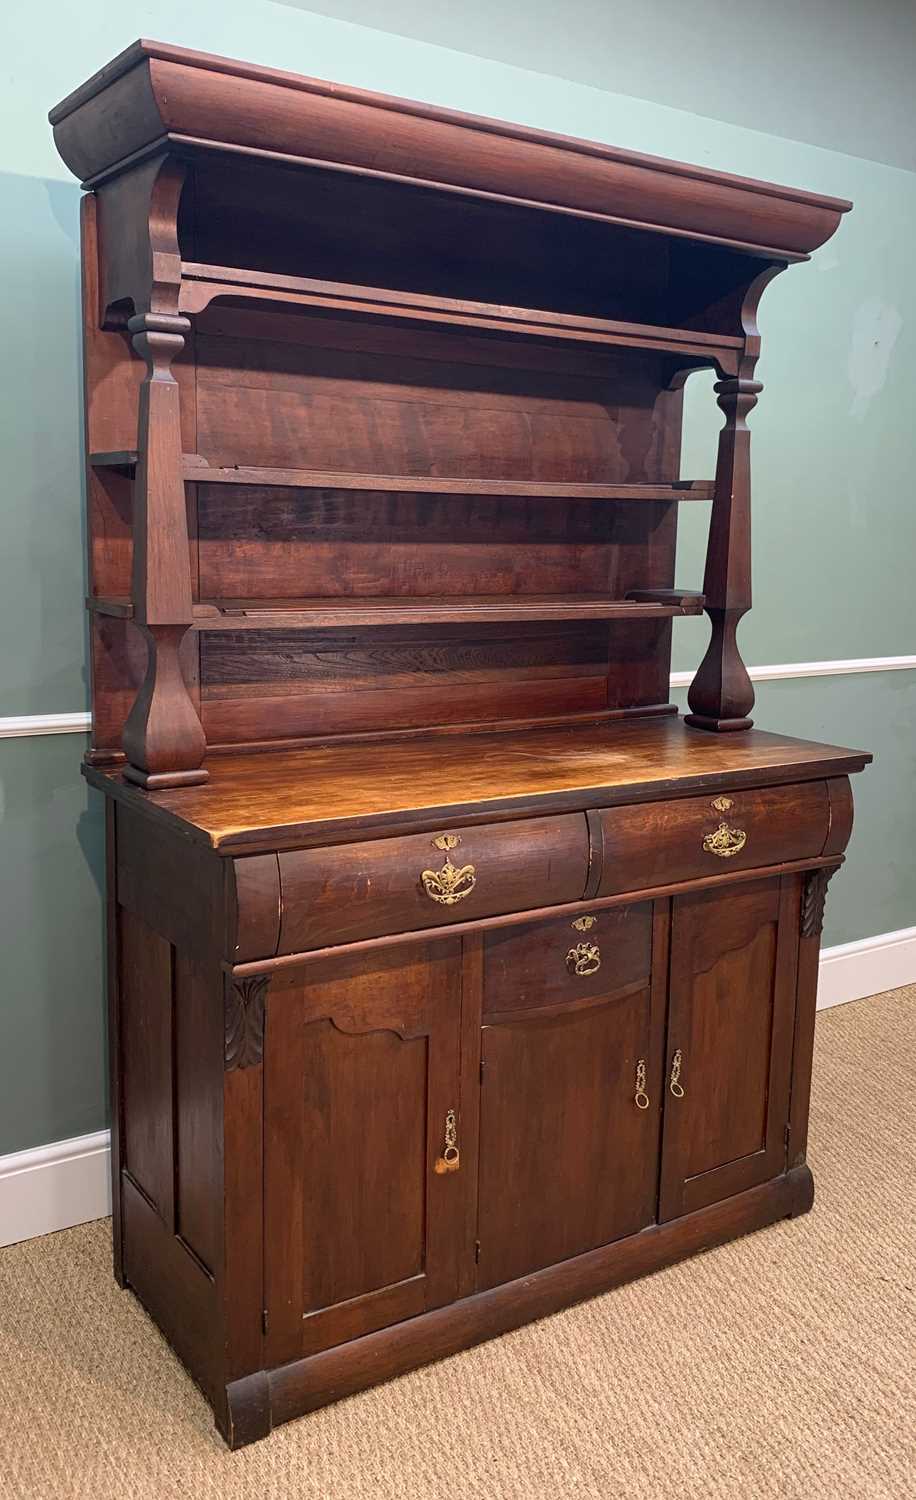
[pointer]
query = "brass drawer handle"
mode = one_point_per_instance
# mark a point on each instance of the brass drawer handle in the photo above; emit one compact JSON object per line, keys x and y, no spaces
{"x":449,"y":884}
{"x":584,"y":959}
{"x":450,"y":1160}
{"x":641,"y":1097}
{"x":725,"y":841}
{"x":674,"y":1083}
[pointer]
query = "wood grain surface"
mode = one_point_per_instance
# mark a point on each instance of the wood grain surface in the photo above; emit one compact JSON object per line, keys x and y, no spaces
{"x":283,"y":797}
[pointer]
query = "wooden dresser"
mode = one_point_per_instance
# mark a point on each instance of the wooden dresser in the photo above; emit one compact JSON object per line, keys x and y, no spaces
{"x":453,"y":975}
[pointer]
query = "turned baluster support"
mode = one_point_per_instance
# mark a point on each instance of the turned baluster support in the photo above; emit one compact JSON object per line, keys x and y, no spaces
{"x":722,"y":695}
{"x":163,"y":738}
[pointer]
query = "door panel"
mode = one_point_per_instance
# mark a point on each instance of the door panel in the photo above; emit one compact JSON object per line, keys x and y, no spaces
{"x":378,"y":1241}
{"x":361,"y":1068}
{"x":568,"y":1161}
{"x":732,"y":1002}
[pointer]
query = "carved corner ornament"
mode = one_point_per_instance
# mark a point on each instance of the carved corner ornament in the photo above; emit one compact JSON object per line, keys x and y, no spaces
{"x":244,"y":1015}
{"x":813,"y":898}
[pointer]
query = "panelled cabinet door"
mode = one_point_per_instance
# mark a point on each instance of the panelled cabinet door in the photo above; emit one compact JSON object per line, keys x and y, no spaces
{"x":729,"y":1048}
{"x":362,"y":1224}
{"x":568,"y":1155}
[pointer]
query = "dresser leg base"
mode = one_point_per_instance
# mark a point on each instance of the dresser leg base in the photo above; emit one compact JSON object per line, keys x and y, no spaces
{"x":246,"y":1415}
{"x":268,"y":1398}
{"x":154,"y":781}
{"x":717,"y":726}
{"x":803,"y":1200}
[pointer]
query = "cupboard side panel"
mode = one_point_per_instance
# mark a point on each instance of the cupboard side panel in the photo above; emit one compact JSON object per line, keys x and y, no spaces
{"x":198,"y":1112}
{"x":146,"y":1041}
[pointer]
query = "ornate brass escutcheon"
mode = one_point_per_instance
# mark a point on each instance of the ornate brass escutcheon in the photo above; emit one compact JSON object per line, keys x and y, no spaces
{"x":584,"y":959}
{"x":725,"y":841}
{"x":450,"y":1160}
{"x":722,"y":804}
{"x":450,"y":884}
{"x":584,"y":924}
{"x":674,"y":1082}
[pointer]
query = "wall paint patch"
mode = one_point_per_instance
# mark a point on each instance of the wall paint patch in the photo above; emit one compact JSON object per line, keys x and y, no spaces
{"x":875,"y":331}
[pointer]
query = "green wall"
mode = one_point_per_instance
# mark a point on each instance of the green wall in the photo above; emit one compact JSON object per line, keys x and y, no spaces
{"x":834,"y":452}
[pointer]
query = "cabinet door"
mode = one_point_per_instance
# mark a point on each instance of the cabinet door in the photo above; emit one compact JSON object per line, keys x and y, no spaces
{"x":361,"y":1070}
{"x":732,"y":1002}
{"x":568,"y":1158}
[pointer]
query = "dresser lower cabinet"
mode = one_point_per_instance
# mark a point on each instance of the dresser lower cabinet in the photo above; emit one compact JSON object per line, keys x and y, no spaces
{"x":338,"y":1163}
{"x":446,"y":1116}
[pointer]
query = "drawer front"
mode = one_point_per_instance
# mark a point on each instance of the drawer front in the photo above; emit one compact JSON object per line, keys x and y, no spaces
{"x":254,"y":913}
{"x":353,"y":891}
{"x":566,"y":961}
{"x":658,"y":843}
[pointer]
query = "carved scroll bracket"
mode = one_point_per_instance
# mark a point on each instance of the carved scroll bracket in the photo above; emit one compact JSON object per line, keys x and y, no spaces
{"x":140,"y":271}
{"x":244,"y":1017}
{"x":813,"y":898}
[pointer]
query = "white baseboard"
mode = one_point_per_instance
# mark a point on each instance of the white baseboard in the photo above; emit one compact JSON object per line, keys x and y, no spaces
{"x":851,"y":971}
{"x":54,"y":1187}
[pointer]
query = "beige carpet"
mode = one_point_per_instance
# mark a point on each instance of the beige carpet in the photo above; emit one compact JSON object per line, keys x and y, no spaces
{"x":781,"y":1365}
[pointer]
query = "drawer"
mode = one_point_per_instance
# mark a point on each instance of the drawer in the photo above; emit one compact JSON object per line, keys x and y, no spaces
{"x":657,"y":843}
{"x":556,"y":963}
{"x":353,"y":891}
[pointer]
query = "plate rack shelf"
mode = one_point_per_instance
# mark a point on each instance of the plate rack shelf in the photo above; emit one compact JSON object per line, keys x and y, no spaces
{"x":421,"y":430}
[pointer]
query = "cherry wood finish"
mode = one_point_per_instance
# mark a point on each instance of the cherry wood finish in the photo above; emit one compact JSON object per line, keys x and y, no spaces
{"x":365,"y":890}
{"x":328,"y":420}
{"x":368,"y":1055}
{"x":320,"y":795}
{"x":566,"y":1161}
{"x":452,"y":975}
{"x":152,"y":89}
{"x":733,"y":967}
{"x":527,"y":966}
{"x":695,"y":836}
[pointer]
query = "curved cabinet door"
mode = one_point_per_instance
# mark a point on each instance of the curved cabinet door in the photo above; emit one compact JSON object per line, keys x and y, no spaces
{"x":360,"y":1071}
{"x":734,"y":957}
{"x":568,"y":1159}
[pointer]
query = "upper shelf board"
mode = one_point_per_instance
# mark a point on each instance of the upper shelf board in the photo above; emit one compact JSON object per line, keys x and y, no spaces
{"x":347,"y":612}
{"x":154,"y":95}
{"x":201,"y":284}
{"x":196,"y":470}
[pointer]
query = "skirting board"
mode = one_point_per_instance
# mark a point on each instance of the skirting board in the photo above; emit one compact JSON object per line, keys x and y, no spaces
{"x":54,"y":1187}
{"x":852,"y":971}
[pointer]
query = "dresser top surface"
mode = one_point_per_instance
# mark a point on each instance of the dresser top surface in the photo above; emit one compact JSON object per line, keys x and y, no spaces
{"x":283,"y":798}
